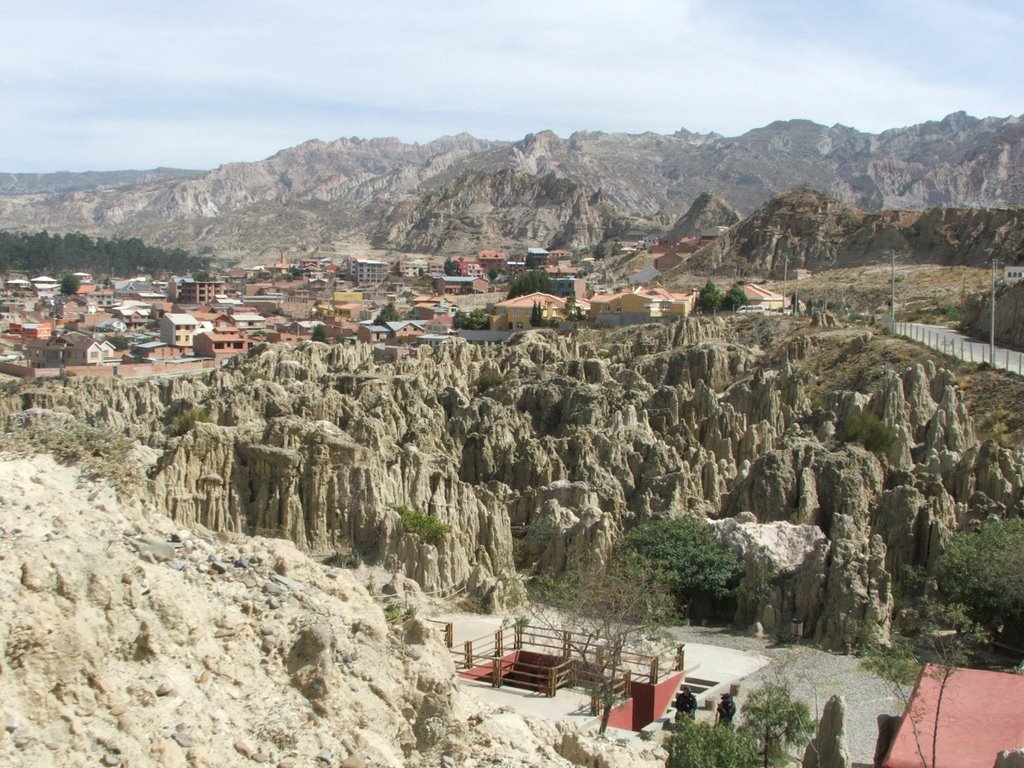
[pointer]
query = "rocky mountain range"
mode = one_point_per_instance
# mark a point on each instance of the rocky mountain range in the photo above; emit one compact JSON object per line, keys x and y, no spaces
{"x":459,"y":191}
{"x":804,"y":228}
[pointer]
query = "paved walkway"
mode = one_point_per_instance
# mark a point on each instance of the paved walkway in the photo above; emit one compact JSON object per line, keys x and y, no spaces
{"x":955,"y":344}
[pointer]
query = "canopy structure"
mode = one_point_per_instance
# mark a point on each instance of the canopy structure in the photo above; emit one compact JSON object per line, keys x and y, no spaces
{"x":981,"y":714}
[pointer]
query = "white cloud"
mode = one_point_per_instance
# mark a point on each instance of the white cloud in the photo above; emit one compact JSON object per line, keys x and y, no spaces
{"x":199,"y":83}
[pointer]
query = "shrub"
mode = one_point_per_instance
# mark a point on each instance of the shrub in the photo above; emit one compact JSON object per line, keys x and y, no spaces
{"x":488,"y":380}
{"x":700,"y":745}
{"x":183,"y":423}
{"x":695,"y":565}
{"x":871,"y":432}
{"x":982,"y":571}
{"x":428,"y":528}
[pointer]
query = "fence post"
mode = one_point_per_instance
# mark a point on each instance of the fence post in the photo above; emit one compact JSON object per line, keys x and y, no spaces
{"x":499,"y":642}
{"x":552,"y":683}
{"x":448,"y":635}
{"x":680,"y":657}
{"x":565,"y":643}
{"x":654,"y":671}
{"x":627,"y":684}
{"x":518,"y":641}
{"x":468,"y":649}
{"x":496,"y":672}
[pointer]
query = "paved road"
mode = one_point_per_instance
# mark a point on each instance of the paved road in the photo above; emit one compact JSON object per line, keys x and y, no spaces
{"x":965,"y":348}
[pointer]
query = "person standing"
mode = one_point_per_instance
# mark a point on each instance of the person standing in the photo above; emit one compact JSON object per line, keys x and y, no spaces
{"x":726,"y":710}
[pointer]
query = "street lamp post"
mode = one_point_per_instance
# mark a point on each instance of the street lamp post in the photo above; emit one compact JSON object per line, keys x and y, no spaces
{"x":892,"y":298}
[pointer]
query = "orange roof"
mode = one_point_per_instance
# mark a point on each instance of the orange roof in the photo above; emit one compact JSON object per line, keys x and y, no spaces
{"x":753,"y":291}
{"x":544,"y":299}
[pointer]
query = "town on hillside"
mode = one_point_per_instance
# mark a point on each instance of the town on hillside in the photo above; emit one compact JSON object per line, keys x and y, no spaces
{"x":126,"y":326}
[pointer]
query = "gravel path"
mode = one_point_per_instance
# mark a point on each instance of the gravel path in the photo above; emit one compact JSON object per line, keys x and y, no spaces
{"x":814,"y":676}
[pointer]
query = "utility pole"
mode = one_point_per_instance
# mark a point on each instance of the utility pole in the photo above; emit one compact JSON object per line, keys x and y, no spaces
{"x":992,"y":320}
{"x":892,"y":299}
{"x":785,"y":274}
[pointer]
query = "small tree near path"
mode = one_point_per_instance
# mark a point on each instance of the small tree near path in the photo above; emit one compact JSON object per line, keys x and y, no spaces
{"x":608,"y":609}
{"x":775,"y":721}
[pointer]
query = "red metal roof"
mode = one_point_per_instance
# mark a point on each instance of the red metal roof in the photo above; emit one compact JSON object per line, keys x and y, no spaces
{"x":982,"y":714}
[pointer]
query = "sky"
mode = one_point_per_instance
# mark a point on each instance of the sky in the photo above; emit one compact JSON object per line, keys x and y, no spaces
{"x":110,"y":84}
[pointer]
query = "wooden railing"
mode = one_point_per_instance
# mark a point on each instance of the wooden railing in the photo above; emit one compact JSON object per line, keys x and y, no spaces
{"x":581,"y":661}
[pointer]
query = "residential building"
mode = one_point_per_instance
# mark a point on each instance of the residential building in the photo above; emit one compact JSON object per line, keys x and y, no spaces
{"x":645,"y":275}
{"x":515,"y":314}
{"x":187,"y":290}
{"x":220,"y":343}
{"x":69,"y":349}
{"x":177,"y":329}
{"x":367,"y":271}
{"x":1013,"y":274}
{"x":489,"y":260}
{"x":758,"y":296}
{"x":457,"y":285}
{"x":569,"y":286}
{"x":640,"y":305}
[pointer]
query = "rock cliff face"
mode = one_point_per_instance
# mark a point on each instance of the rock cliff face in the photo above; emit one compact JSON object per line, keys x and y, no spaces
{"x":333,"y":191}
{"x":478,"y":209}
{"x":977,"y":315}
{"x":708,"y":211}
{"x":582,"y":438}
{"x":811,"y":230}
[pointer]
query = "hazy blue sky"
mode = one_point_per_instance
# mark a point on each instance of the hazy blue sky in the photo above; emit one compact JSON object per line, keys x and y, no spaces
{"x":111,"y":84}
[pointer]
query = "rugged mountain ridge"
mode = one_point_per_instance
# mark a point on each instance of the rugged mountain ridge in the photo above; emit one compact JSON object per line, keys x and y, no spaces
{"x":708,"y":211}
{"x":811,"y":230}
{"x":574,"y":440}
{"x":321,"y":192}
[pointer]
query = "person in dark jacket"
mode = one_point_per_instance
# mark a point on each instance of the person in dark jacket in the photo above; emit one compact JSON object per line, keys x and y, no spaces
{"x":686,"y":703}
{"x":726,"y":710}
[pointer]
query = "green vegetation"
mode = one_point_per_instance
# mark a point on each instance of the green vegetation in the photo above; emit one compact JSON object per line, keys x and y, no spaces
{"x":388,"y":314}
{"x":184,"y":421}
{"x":428,"y":528}
{"x":710,"y":298}
{"x":871,"y":432}
{"x":488,"y":380}
{"x":536,"y":316}
{"x":734,"y":298}
{"x":476,"y":320}
{"x":702,"y":745}
{"x":534,"y":281}
{"x":982,"y":570}
{"x":695,"y":566}
{"x":774,"y":721}
{"x":451,"y":267}
{"x":69,"y":284}
{"x":42,"y":252}
{"x":319,"y":334}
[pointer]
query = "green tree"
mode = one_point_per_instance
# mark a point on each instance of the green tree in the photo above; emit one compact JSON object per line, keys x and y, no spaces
{"x":493,"y":275}
{"x":476,"y":320}
{"x":599,"y":251}
{"x":319,"y":333}
{"x":696,"y":566}
{"x":774,"y":721}
{"x":451,"y":267}
{"x":573,"y":310}
{"x":534,"y":281}
{"x":734,"y":298}
{"x":69,"y":284}
{"x":388,"y":314}
{"x":983,"y":571}
{"x":536,"y":316}
{"x":700,"y":745}
{"x":710,"y":298}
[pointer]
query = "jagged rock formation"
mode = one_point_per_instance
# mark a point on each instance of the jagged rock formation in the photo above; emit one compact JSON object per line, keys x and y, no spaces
{"x":478,"y":209}
{"x":323,"y":192}
{"x":809,"y":229}
{"x":138,"y":642}
{"x":828,"y":747}
{"x":582,"y":438}
{"x":708,"y":211}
